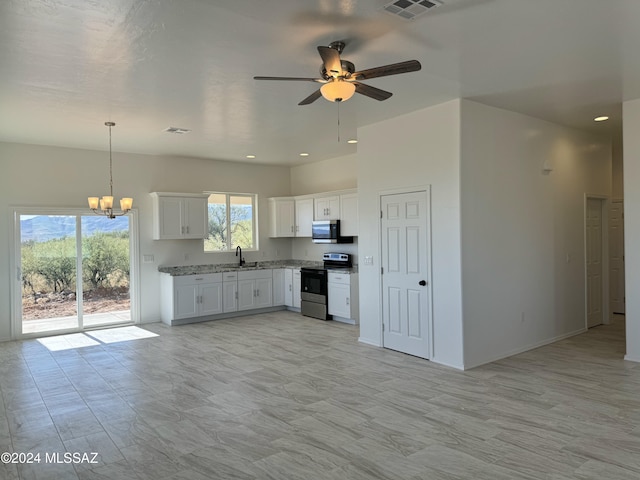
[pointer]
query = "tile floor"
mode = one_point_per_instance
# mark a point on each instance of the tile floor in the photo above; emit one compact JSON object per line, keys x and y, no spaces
{"x":280,"y":396}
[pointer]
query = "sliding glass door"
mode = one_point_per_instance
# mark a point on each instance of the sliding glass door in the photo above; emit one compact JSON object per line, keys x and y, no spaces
{"x":74,"y":271}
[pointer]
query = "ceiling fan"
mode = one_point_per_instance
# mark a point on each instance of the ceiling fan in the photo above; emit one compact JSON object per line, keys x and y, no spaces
{"x":341,"y":80}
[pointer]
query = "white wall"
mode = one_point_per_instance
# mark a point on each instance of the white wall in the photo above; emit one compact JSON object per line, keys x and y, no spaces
{"x":631,"y":119}
{"x":339,"y":173}
{"x":417,"y":149}
{"x":519,"y":226}
{"x":617,"y":167}
{"x":51,"y":176}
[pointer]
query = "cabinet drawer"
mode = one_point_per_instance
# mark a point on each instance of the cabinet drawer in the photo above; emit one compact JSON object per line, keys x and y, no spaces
{"x":254,"y":274}
{"x":229,"y":276}
{"x":196,"y":279}
{"x":335,"y":277}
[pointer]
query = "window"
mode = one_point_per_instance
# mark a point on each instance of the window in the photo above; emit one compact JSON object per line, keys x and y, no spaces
{"x":232,"y":222}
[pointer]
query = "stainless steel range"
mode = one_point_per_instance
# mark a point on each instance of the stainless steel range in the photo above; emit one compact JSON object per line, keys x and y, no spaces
{"x":313,"y":284}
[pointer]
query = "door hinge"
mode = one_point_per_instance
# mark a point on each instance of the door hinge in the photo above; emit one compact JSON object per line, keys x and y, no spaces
{"x":381,"y":270}
{"x":383,"y":326}
{"x":380,"y":213}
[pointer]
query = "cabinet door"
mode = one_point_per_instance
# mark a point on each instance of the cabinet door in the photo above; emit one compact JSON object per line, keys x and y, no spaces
{"x":282,"y":213}
{"x":246,"y":294}
{"x":211,"y":299}
{"x":186,"y":301}
{"x":339,"y":301}
{"x":304,"y":217}
{"x":195,"y":217}
{"x":264,"y":292}
{"x":230,"y":296}
{"x":327,"y":208}
{"x":288,"y":287}
{"x":296,"y":288}
{"x":349,"y":215}
{"x":278,"y":286}
{"x":170,"y":221}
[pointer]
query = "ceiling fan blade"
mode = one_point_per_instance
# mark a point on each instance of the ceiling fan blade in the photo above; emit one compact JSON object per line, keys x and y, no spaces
{"x":331,"y":59}
{"x":393,"y":69}
{"x":372,"y":92}
{"x":294,"y":79}
{"x":311,"y":98}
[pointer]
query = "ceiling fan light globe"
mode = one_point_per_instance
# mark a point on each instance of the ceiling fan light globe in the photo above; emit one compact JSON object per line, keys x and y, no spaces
{"x":338,"y":90}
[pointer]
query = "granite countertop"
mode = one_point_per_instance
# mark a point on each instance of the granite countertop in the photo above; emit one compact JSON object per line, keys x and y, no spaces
{"x":233,"y":267}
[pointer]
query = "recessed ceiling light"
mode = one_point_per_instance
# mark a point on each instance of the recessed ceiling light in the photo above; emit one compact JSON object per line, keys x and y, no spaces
{"x":601,"y":119}
{"x":304,"y":154}
{"x":251,"y":156}
{"x":353,"y":140}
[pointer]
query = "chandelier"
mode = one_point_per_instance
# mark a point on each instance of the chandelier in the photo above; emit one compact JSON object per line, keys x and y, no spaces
{"x":106,"y":202}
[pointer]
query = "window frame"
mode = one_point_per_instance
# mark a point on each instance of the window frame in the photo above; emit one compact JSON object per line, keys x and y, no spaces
{"x":254,"y":220}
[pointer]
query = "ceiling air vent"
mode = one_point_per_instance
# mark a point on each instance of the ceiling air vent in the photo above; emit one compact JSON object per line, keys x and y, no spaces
{"x":176,"y":130}
{"x":410,"y":9}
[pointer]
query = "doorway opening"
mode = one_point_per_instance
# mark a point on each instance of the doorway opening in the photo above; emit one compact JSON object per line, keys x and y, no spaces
{"x":596,"y":261}
{"x":74,"y":271}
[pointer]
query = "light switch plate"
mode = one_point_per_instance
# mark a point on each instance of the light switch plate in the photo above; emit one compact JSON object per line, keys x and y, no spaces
{"x":368,"y":260}
{"x":148,"y":258}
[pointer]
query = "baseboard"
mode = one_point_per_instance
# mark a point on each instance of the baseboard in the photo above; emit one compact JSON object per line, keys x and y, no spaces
{"x":445,"y":364}
{"x":366,"y":341}
{"x":7,"y":339}
{"x":526,"y":348}
{"x":629,"y":358}
{"x":222,"y":316}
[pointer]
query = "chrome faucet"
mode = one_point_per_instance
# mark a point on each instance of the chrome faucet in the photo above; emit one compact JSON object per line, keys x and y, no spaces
{"x":239,"y":249}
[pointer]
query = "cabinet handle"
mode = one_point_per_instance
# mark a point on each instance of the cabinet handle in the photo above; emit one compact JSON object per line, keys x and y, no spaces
{"x":187,"y":228}
{"x":236,"y":295}
{"x":347,"y":300}
{"x":258,"y":293}
{"x":290,"y":288}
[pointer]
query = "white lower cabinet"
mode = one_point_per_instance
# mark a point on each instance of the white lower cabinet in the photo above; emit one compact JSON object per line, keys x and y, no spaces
{"x":342,"y":290}
{"x":255,"y":289}
{"x":230,"y":292}
{"x":296,"y":288}
{"x":191,"y":296}
{"x":292,"y":287}
{"x":278,"y":286}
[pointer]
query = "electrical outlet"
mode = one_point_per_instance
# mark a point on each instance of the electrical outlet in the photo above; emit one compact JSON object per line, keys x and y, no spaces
{"x":186,"y":257}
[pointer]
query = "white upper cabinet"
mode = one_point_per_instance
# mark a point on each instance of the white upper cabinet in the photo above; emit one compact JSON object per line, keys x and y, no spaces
{"x":179,"y":216}
{"x":327,"y":208}
{"x":304,"y":216}
{"x":281,"y":217}
{"x":294,"y":216}
{"x":349,"y":215}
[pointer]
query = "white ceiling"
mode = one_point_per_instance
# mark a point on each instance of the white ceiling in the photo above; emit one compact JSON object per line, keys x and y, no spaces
{"x":67,"y":66}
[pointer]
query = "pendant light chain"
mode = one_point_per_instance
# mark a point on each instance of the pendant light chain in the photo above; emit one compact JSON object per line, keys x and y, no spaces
{"x":110,"y":163}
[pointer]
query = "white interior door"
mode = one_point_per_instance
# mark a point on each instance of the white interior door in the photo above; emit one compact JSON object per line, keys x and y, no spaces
{"x":594,"y":246}
{"x":616,"y":256}
{"x":405,"y":274}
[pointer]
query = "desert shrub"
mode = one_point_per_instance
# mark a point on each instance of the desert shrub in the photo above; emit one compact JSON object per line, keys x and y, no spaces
{"x":105,"y":259}
{"x":51,"y":265}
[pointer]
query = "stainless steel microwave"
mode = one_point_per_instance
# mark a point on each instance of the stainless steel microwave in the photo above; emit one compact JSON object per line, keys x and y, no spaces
{"x":328,"y":231}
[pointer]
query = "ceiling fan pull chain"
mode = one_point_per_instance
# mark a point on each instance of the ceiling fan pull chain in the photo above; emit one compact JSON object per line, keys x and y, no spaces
{"x":338,"y":121}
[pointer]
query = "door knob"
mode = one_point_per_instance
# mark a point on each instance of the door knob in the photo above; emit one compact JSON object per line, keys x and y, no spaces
{"x":422,"y":282}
